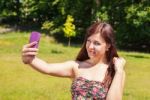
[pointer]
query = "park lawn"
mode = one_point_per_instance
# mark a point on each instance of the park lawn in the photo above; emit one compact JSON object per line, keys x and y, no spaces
{"x":19,"y":81}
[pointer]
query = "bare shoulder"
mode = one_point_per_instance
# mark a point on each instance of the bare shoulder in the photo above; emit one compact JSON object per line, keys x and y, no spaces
{"x":72,"y":63}
{"x":75,"y":65}
{"x":79,"y":64}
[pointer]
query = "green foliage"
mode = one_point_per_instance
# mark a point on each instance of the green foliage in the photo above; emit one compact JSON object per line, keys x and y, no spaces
{"x":27,"y":9}
{"x":133,"y":33}
{"x":138,"y":14}
{"x":69,"y":28}
{"x":48,"y":27}
{"x":129,"y":18}
{"x":102,"y":14}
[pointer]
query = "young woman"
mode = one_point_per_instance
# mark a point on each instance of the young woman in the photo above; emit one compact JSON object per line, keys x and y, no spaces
{"x":97,"y":73}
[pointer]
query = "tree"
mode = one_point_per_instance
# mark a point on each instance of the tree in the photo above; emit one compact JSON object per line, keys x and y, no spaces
{"x":69,"y":28}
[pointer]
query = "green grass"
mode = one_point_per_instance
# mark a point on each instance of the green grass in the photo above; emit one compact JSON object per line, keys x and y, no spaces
{"x":19,"y":81}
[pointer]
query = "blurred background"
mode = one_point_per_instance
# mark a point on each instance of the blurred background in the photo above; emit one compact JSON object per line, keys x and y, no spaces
{"x":63,"y":24}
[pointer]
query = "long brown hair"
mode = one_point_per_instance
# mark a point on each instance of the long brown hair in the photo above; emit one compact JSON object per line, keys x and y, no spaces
{"x":107,"y":33}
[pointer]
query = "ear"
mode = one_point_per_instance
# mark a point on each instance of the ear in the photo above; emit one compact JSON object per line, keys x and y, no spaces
{"x":107,"y":47}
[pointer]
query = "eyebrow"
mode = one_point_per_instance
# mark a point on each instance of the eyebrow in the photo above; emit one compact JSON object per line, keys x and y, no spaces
{"x":94,"y":41}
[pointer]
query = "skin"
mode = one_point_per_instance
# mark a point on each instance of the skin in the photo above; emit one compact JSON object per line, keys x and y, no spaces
{"x":92,"y":69}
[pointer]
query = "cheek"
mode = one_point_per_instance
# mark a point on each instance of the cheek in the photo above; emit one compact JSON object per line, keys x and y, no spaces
{"x":101,"y":50}
{"x":86,"y":46}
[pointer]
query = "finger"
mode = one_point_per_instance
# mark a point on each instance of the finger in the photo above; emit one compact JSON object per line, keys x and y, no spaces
{"x":30,"y":44}
{"x":123,"y":60}
{"x":29,"y":50}
{"x":115,"y":59}
{"x":30,"y":54}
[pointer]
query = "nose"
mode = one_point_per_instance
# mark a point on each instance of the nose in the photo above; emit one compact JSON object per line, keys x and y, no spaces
{"x":91,"y":46}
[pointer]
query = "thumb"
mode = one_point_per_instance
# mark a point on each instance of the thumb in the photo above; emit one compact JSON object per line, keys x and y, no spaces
{"x":31,"y":44}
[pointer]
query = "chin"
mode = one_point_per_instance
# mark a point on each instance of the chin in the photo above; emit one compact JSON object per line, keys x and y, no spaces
{"x":91,"y":56}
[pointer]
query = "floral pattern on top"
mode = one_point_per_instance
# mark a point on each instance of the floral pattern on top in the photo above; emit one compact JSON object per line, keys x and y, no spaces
{"x":84,"y":89}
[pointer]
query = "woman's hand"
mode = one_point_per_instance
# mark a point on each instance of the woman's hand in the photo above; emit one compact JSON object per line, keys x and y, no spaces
{"x":116,"y":88}
{"x":29,"y":53}
{"x":119,"y":64}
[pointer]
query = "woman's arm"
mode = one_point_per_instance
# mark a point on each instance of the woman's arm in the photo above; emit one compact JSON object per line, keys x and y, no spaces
{"x":116,"y":89}
{"x":65,"y":69}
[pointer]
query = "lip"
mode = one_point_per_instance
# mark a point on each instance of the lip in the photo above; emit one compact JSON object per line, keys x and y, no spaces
{"x":92,"y":52}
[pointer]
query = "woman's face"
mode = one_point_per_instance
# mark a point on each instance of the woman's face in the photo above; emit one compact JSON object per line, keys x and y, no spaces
{"x":96,"y":46}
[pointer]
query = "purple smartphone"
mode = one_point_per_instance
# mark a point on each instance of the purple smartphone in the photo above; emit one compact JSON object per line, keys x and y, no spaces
{"x":35,"y":36}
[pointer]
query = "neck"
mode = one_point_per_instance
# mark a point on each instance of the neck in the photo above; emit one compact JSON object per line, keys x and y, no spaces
{"x":103,"y":60}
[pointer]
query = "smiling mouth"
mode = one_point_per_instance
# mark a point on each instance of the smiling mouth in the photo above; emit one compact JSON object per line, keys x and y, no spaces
{"x":92,"y":52}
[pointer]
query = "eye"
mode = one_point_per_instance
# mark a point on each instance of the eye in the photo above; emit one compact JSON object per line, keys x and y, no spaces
{"x":88,"y":41}
{"x":97,"y":43}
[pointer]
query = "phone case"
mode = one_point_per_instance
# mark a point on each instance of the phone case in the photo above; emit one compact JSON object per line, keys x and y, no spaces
{"x":35,"y":36}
